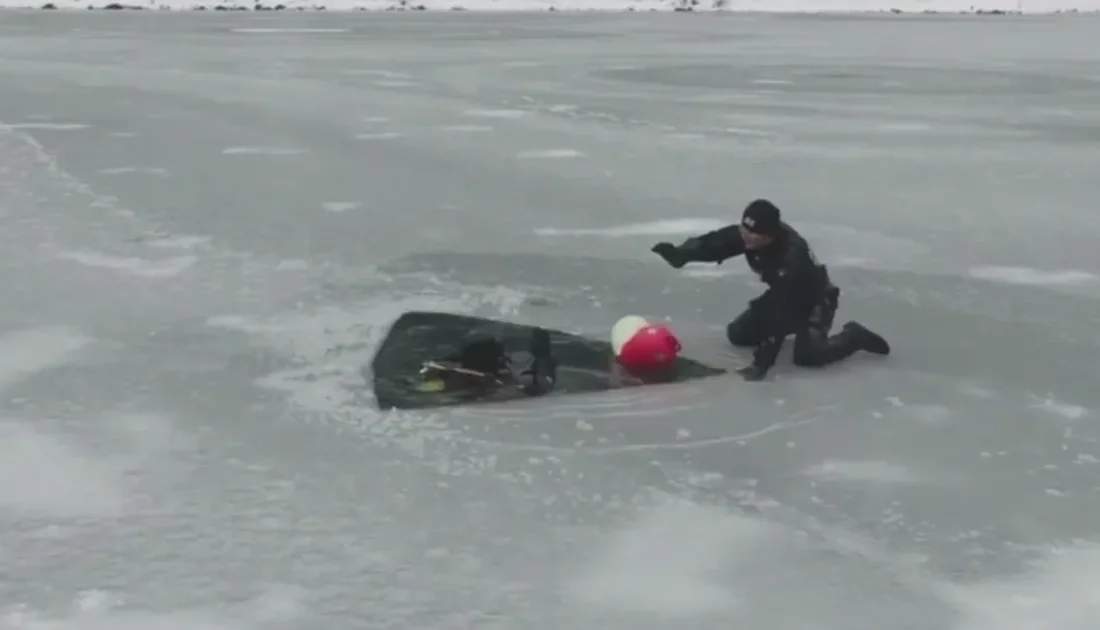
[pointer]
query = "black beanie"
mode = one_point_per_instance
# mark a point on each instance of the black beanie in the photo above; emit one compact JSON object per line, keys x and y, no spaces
{"x":761,"y":217}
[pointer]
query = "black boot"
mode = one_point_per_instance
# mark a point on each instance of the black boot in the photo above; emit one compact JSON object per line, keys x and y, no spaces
{"x":867,"y":339}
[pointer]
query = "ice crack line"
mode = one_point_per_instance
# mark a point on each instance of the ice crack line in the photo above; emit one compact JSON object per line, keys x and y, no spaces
{"x":634,"y":448}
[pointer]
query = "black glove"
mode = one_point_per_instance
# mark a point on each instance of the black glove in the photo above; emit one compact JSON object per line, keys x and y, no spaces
{"x":670,"y":253}
{"x":753,"y":373}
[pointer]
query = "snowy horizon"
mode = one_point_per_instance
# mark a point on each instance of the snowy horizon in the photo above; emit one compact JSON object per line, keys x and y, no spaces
{"x":904,"y":7}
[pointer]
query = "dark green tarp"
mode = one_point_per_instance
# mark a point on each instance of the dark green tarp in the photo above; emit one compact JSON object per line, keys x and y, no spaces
{"x":418,"y":336}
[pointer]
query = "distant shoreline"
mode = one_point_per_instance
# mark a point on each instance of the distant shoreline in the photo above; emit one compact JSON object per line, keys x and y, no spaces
{"x":566,"y":6}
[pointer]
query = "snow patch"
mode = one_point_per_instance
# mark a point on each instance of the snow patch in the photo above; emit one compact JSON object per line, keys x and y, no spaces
{"x":42,"y":475}
{"x":180,"y":241}
{"x":143,"y":267}
{"x":381,"y":135}
{"x":756,"y":133}
{"x":394,"y":83}
{"x":45,"y":126}
{"x":664,"y":227}
{"x":466,"y":128}
{"x":143,"y":436}
{"x":930,"y":415}
{"x":1065,"y":410}
{"x":670,"y":561}
{"x":292,"y":264}
{"x":27,"y":352}
{"x":707,"y":273}
{"x":341,"y":206}
{"x":1058,"y":593}
{"x":495,"y":113}
{"x":272,"y":151}
{"x":549,"y":154}
{"x":1034,"y":277}
{"x":126,"y":170}
{"x":904,"y":127}
{"x":379,"y":72}
{"x":275,"y":607}
{"x":868,"y":471}
{"x":283,"y":31}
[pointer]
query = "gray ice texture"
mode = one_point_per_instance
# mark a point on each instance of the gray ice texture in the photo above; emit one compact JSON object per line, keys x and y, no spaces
{"x":208,"y":220}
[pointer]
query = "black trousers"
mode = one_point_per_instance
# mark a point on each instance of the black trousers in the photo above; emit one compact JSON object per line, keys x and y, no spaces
{"x":813,"y":345}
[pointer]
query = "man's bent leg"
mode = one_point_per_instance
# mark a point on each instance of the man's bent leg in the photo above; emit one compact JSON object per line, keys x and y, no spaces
{"x":814,"y":347}
{"x":747,"y":330}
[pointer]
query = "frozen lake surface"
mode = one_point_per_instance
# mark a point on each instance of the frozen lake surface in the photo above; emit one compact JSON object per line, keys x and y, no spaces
{"x":210,"y":219}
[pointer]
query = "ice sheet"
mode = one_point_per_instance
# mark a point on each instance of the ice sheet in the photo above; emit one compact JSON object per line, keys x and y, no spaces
{"x":210,"y":220}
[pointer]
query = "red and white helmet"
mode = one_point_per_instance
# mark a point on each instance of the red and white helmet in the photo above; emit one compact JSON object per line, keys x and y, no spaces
{"x":641,"y":347}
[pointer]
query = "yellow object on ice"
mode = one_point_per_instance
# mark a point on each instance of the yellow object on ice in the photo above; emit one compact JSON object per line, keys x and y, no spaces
{"x":432,"y":386}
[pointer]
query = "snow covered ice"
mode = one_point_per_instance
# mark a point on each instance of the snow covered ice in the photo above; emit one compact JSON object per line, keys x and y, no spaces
{"x":210,"y":219}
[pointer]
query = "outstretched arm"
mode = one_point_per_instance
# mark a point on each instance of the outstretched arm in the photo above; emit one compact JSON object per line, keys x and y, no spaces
{"x":715,"y":246}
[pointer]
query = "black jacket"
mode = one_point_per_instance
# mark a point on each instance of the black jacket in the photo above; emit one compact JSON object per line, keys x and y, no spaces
{"x":796,"y":280}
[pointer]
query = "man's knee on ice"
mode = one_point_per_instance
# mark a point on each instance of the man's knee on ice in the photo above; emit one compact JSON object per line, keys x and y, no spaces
{"x":742,"y":333}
